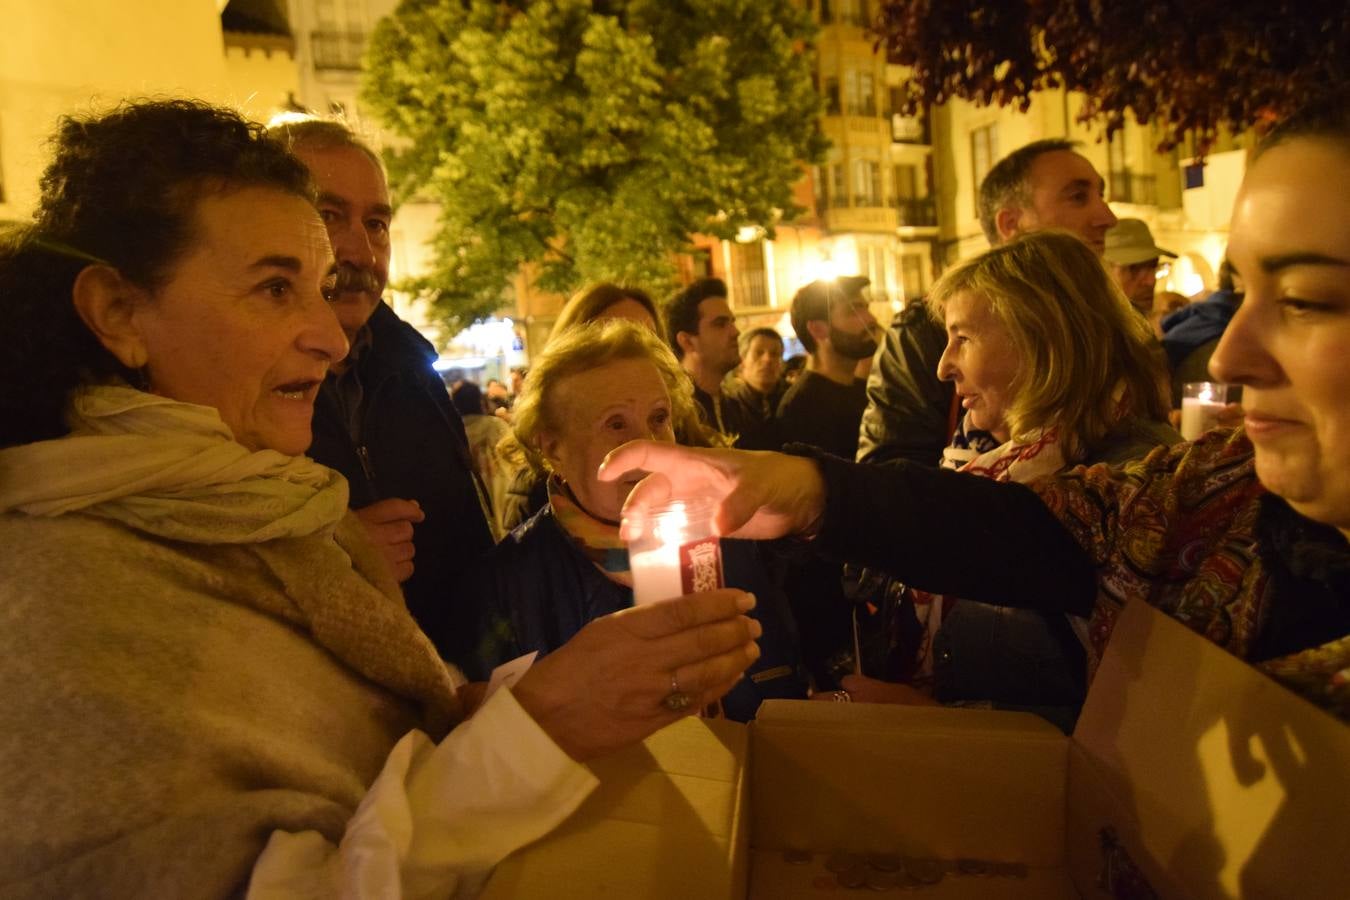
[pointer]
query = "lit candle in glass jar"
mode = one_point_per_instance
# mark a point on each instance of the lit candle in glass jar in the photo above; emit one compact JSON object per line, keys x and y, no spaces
{"x":675,"y":553}
{"x":1201,"y":404}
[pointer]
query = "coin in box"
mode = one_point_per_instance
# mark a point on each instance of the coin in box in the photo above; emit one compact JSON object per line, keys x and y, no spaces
{"x":1010,"y":869}
{"x":855,"y":877}
{"x":907,"y":882}
{"x":842,"y":861}
{"x":884,"y":862}
{"x":925,"y":871}
{"x":976,"y":867}
{"x":882,"y":881}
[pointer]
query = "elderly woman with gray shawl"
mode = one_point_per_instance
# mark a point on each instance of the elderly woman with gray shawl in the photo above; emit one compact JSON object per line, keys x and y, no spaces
{"x":212,"y":685}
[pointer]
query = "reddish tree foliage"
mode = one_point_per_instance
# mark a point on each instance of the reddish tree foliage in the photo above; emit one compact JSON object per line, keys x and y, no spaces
{"x":1191,"y":66}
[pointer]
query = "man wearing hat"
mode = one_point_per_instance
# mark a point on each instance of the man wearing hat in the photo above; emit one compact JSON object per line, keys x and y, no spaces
{"x":824,"y":406}
{"x":1133,"y":257}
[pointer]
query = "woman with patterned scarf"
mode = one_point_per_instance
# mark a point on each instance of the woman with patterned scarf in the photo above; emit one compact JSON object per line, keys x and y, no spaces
{"x":594,"y":387}
{"x":1054,"y":369}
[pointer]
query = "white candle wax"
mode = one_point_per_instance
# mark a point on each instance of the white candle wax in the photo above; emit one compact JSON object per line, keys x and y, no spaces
{"x":656,"y":574}
{"x":1198,"y":416}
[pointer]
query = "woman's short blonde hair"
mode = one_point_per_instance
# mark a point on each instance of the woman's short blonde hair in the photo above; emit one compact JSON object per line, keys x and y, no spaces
{"x":581,"y":348}
{"x":590,"y":303}
{"x":1077,"y":336}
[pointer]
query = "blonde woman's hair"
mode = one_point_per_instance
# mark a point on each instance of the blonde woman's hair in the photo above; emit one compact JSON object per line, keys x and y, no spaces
{"x":1077,"y":336}
{"x":590,"y":303}
{"x":580,"y":349}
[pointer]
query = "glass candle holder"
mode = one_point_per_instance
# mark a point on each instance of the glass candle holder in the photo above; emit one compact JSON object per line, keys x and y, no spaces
{"x":676,"y":552}
{"x":1201,"y":403}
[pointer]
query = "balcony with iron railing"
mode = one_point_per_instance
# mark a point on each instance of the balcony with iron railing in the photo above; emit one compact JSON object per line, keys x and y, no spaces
{"x":909,"y":129}
{"x":749,"y":288}
{"x":1133,"y":187}
{"x":873,"y":219}
{"x":918,"y":212}
{"x":337,"y":50}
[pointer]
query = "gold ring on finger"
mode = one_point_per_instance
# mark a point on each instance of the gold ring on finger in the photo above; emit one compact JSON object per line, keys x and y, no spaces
{"x":677,"y":700}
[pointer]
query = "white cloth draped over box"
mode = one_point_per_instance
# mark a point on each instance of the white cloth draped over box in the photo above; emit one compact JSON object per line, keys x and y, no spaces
{"x":212,"y":684}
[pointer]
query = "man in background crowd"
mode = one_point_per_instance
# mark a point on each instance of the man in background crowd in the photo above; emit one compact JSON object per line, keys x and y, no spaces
{"x":384,"y":418}
{"x":1133,"y":258}
{"x":1191,"y":334}
{"x":823,"y":408}
{"x":758,"y":383}
{"x":704,"y":335}
{"x":825,"y":405}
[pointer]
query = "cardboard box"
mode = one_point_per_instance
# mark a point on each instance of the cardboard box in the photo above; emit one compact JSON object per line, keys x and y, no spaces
{"x":1190,"y":774}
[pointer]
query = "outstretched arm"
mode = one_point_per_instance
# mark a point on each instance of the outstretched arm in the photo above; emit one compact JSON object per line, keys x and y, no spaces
{"x":937,"y":530}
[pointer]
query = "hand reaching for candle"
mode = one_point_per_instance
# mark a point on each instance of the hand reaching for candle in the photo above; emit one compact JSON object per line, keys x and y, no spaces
{"x":607,"y":686}
{"x":760,"y":495}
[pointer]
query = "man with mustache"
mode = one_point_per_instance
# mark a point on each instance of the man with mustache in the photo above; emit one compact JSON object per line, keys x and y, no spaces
{"x":383,"y":417}
{"x":824,"y":406}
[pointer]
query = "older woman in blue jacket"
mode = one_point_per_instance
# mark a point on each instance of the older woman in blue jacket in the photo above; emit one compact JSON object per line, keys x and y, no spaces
{"x":595,"y":387}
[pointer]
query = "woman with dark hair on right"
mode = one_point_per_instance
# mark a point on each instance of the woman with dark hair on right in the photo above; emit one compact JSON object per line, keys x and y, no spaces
{"x":1241,"y":536}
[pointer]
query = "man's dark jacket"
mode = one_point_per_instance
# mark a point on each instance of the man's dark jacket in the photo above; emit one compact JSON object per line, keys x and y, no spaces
{"x":908,"y":413}
{"x":411,"y":446}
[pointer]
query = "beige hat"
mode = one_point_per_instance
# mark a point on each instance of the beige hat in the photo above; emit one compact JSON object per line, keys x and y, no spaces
{"x":1131,"y":242}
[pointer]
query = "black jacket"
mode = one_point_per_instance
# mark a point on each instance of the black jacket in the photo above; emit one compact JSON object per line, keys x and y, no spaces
{"x":909,"y":410}
{"x":411,"y":445}
{"x":952,"y":533}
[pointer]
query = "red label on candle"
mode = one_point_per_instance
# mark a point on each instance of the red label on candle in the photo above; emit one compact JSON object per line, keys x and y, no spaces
{"x":701,"y":565}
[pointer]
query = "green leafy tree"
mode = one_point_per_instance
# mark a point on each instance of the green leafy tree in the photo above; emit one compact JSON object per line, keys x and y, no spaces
{"x":589,"y":139}
{"x":1190,"y":66}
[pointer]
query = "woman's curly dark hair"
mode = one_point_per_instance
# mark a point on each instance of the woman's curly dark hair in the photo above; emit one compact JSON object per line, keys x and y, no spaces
{"x":121,"y":190}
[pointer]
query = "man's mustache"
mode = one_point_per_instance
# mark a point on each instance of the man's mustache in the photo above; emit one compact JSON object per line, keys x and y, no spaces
{"x":349,"y":278}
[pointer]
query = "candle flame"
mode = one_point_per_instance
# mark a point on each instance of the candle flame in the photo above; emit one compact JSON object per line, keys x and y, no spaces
{"x":670,"y":525}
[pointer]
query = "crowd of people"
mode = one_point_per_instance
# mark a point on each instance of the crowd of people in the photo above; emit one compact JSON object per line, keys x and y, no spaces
{"x":261,"y":563}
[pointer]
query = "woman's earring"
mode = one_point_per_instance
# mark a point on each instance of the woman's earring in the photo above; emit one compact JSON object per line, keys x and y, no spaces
{"x":140,"y":371}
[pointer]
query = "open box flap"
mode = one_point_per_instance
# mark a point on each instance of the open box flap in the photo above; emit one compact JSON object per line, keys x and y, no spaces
{"x":1217,"y":781}
{"x":668,"y":822}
